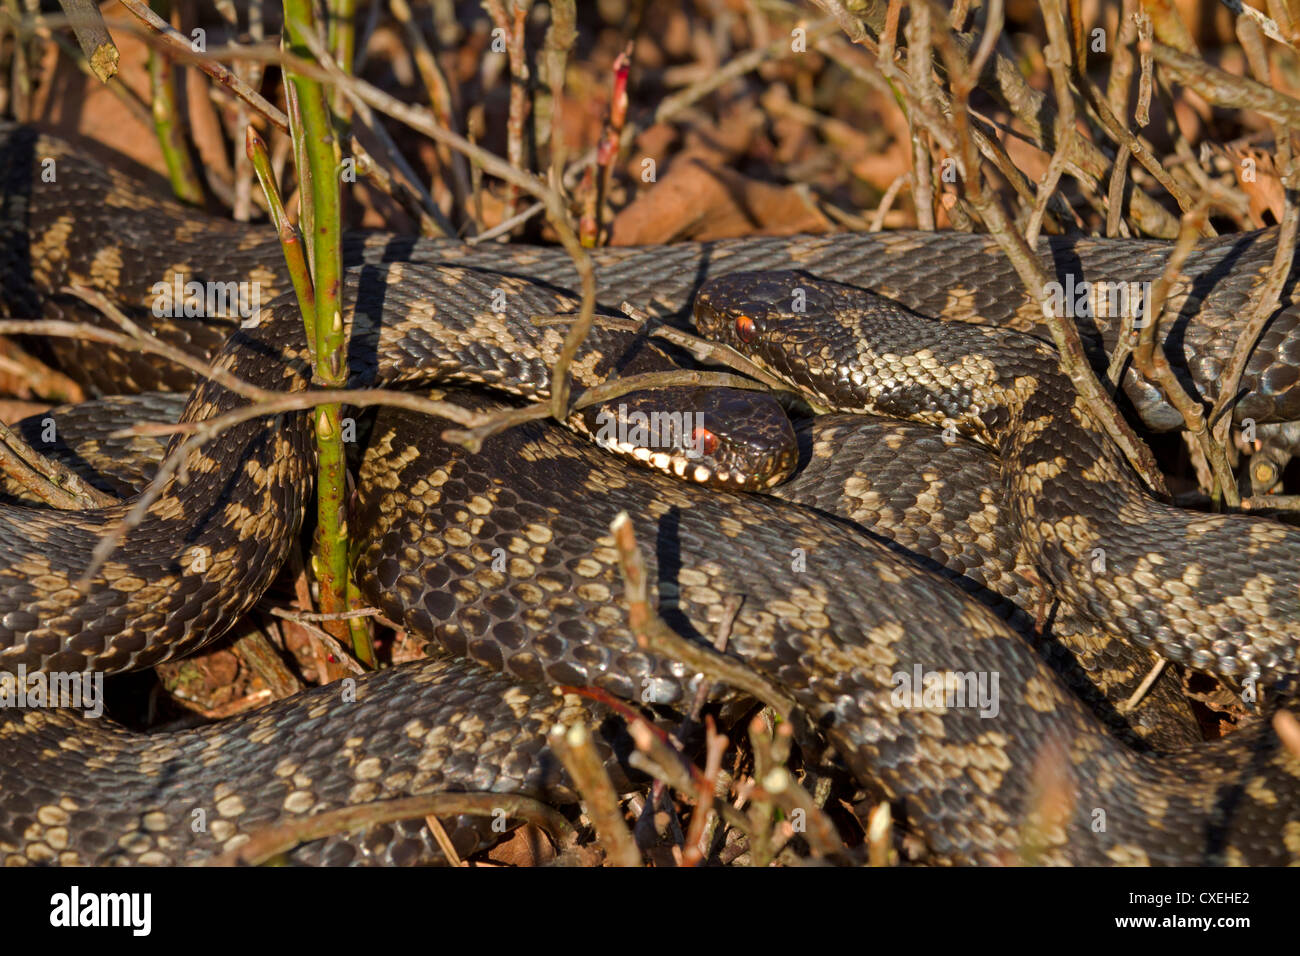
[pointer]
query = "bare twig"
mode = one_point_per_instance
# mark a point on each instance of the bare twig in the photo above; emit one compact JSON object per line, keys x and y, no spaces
{"x":653,"y":633}
{"x":1003,"y":79}
{"x":1034,"y":277}
{"x":181,"y":45}
{"x":1057,"y":56}
{"x":918,"y":69}
{"x":264,"y":660}
{"x":1263,"y":304}
{"x":1115,"y":225}
{"x":506,"y":226}
{"x":300,"y":616}
{"x":1140,"y":691}
{"x":511,"y":24}
{"x":87,"y":23}
{"x":596,"y":182}
{"x":574,"y":746}
{"x":343,"y":657}
{"x":265,"y":845}
{"x":1226,"y":89}
{"x":560,"y":38}
{"x":439,"y":98}
{"x":880,"y":829}
{"x":1154,"y":366}
{"x":1147,"y":80}
{"x":47,"y":480}
{"x":661,"y":760}
{"x":1265,"y":23}
{"x":886,"y":202}
{"x":142,"y":343}
{"x":44,"y":28}
{"x":696,"y":839}
{"x":884,"y":77}
{"x":780,"y":787}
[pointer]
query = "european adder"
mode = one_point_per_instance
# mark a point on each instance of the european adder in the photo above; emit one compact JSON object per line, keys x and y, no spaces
{"x":833,"y":633}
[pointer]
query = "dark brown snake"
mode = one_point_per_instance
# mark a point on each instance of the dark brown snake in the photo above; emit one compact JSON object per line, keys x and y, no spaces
{"x":46,"y":242}
{"x":829,"y":615}
{"x":1221,"y":593}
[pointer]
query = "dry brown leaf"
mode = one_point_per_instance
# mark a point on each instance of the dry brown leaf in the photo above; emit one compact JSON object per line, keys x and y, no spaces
{"x":693,"y":201}
{"x":13,"y":411}
{"x":527,"y":846}
{"x":1258,"y":178}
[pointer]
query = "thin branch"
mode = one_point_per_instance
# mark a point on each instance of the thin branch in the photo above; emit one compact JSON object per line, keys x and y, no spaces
{"x":265,"y":845}
{"x":1154,"y":366}
{"x":208,"y":64}
{"x":1266,"y":23}
{"x":1225,"y":89}
{"x":147,"y":344}
{"x":88,"y":24}
{"x":653,"y":633}
{"x":1057,"y":57}
{"x":1004,"y":80}
{"x":47,"y":480}
{"x":575,"y":748}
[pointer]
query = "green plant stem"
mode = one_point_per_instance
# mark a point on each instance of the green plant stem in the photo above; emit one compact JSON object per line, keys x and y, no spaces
{"x":318,"y":145}
{"x":343,"y":43}
{"x":180,"y":171}
{"x":290,"y":237}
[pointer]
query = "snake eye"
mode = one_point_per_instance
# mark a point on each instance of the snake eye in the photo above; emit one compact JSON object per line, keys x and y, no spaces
{"x":746,"y":328}
{"x":704,"y":441}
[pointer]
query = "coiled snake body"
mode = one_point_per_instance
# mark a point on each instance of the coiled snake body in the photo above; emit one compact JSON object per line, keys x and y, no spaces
{"x":833,"y":633}
{"x":97,"y":227}
{"x":834,"y":640}
{"x":1220,"y":593}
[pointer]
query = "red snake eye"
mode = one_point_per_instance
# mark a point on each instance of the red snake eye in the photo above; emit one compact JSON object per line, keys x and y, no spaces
{"x":704,"y":441}
{"x":746,"y":328}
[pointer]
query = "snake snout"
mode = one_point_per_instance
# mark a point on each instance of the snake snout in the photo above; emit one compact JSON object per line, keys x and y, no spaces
{"x":745,"y":309}
{"x":721,"y":437}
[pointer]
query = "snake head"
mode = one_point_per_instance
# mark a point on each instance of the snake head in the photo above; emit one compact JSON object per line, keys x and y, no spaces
{"x":807,"y":332}
{"x":722,"y":437}
{"x":746,"y":310}
{"x":777,"y":319}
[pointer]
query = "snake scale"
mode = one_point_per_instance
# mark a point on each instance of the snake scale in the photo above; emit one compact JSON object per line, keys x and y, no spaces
{"x":45,"y":242}
{"x":1221,"y":593}
{"x":830,"y":638}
